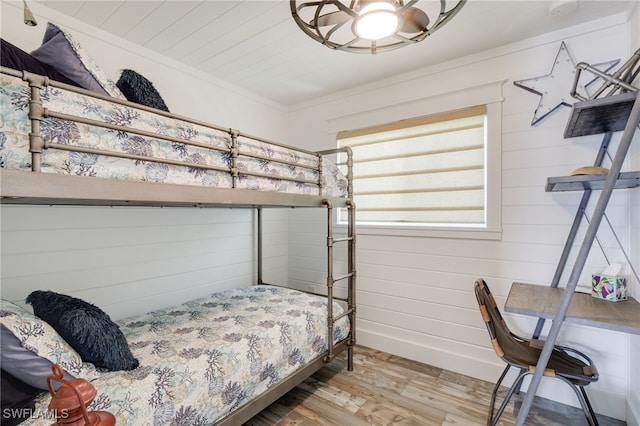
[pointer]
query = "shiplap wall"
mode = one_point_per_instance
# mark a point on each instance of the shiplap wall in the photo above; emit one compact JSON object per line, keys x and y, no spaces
{"x":132,"y":260}
{"x":415,"y":294}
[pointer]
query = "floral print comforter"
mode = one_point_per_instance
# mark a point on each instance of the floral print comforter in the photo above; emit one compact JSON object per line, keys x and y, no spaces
{"x":203,"y":359}
{"x":274,"y":164}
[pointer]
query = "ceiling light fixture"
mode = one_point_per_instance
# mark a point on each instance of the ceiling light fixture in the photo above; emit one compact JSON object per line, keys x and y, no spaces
{"x":376,"y":21}
{"x":371,"y":26}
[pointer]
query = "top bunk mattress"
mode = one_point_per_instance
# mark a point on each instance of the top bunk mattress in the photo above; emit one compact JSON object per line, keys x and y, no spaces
{"x":89,"y":136}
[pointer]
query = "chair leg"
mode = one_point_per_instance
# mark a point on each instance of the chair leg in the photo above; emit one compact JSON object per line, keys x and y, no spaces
{"x":492,"y":421}
{"x":589,"y":407}
{"x":522,"y":370}
{"x":584,"y":402}
{"x":494,"y":394}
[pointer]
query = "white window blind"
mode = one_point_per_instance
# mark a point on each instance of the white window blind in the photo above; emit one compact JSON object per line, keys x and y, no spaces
{"x":428,"y":170}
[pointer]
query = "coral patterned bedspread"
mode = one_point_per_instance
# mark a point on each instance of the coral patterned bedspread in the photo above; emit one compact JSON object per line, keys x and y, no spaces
{"x":273,"y":164}
{"x":201,"y":360}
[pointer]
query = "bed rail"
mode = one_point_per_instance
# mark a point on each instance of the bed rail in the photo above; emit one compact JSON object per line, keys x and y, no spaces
{"x":233,"y":150}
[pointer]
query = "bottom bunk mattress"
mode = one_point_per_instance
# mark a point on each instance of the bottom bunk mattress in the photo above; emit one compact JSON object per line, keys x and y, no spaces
{"x":201,"y":360}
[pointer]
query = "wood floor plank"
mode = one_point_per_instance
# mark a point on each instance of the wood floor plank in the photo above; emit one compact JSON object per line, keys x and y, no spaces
{"x":383,"y":403}
{"x":453,"y":420}
{"x":470,"y":395}
{"x":348,"y":402}
{"x":394,"y":413}
{"x":324,"y":412}
{"x":387,"y":390}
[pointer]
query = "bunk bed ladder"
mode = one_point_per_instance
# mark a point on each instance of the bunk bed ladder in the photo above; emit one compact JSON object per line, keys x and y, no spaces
{"x":349,"y":276}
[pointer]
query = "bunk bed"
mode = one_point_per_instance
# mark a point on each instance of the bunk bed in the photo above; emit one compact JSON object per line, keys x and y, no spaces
{"x":64,"y":145}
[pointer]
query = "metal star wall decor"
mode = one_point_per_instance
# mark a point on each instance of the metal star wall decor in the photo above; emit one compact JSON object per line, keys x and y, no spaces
{"x":554,"y":88}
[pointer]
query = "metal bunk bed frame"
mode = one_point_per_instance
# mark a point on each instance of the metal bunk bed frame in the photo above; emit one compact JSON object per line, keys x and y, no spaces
{"x":38,"y":188}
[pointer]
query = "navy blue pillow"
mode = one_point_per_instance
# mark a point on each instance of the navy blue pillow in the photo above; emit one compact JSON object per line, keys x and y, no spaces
{"x":138,"y":89}
{"x":86,"y":328}
{"x":17,"y":400}
{"x":16,"y":58}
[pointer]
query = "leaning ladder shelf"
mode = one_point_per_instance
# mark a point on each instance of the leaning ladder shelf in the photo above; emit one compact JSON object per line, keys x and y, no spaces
{"x":580,"y":183}
{"x":605,"y":115}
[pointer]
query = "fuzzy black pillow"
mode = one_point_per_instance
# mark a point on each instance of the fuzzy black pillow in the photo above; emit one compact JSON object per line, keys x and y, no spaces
{"x":86,"y":328}
{"x":138,"y":89}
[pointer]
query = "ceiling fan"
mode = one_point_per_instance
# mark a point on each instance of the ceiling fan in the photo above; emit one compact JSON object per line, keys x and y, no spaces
{"x":375,"y":25}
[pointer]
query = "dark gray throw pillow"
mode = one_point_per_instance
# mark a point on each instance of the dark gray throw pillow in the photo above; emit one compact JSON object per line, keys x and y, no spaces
{"x":136,"y":88}
{"x":61,"y":52}
{"x":16,"y":58}
{"x":86,"y":328}
{"x":23,"y":364}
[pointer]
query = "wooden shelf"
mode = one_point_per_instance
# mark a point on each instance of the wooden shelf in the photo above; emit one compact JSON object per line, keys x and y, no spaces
{"x":543,"y":302}
{"x":600,"y":115}
{"x":582,"y":182}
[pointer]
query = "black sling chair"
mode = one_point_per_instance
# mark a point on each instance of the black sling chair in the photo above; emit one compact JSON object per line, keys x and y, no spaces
{"x":523,"y":354}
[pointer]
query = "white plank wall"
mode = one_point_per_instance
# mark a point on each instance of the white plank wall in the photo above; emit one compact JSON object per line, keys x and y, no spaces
{"x":415,"y":294}
{"x":308,"y":252}
{"x":131,"y":260}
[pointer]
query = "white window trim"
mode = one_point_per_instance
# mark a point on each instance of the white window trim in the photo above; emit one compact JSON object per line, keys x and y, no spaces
{"x":488,"y":94}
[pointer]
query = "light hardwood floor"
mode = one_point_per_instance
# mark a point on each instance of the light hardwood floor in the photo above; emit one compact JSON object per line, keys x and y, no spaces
{"x":385,"y":389}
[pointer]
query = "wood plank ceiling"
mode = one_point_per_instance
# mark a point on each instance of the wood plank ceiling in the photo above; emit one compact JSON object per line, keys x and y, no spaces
{"x":255,"y":44}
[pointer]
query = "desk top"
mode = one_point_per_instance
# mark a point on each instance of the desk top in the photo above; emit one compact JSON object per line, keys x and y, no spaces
{"x":543,"y":302}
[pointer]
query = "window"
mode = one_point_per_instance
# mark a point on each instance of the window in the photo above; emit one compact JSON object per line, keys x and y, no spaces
{"x":435,"y":174}
{"x":428,"y":170}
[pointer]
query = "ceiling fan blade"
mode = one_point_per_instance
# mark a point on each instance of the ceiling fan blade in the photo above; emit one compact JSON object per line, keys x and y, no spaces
{"x":332,"y":18}
{"x":415,"y":21}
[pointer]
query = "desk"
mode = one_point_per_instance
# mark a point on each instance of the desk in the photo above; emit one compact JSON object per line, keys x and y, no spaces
{"x":543,"y":302}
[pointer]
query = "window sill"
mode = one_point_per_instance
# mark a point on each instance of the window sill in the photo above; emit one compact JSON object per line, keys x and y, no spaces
{"x":471,"y":233}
